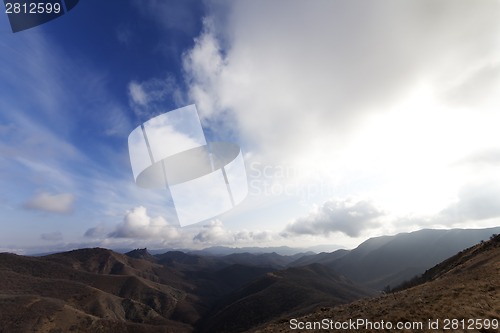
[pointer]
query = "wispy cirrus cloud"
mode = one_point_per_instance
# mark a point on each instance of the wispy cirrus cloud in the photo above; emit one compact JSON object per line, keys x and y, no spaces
{"x":60,"y":138}
{"x":52,"y":237}
{"x":151,"y":97}
{"x":61,"y":203}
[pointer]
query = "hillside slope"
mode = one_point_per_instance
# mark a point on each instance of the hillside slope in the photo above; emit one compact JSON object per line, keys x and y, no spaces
{"x":281,"y":293}
{"x":466,"y":286}
{"x":98,"y":290}
{"x":390,"y":260}
{"x":78,"y":291}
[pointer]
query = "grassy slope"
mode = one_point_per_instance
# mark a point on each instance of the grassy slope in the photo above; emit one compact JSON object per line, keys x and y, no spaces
{"x":465,"y":286}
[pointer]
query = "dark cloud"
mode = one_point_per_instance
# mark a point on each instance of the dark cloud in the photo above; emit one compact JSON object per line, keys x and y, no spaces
{"x":95,"y":232}
{"x":347,"y":216}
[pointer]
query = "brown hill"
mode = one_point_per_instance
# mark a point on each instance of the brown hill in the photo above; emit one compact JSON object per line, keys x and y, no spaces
{"x":98,"y":290}
{"x":281,"y":293}
{"x":390,"y":260}
{"x":88,"y":290}
{"x":464,"y":287}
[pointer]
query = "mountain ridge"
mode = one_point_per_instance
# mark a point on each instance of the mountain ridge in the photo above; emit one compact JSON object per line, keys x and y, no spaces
{"x":465,"y":285}
{"x":98,"y":289}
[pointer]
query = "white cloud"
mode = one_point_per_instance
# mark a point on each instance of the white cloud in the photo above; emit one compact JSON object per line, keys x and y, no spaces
{"x":475,"y":202}
{"x":478,"y":88}
{"x":124,"y":34}
{"x":150,"y":97}
{"x":137,"y":93}
{"x":365,"y":95}
{"x":23,"y":137}
{"x":204,"y":64}
{"x":213,"y":232}
{"x":52,"y":203}
{"x":325,"y":86}
{"x":317,"y":67}
{"x":138,"y":224}
{"x":476,"y":206}
{"x":487,"y":157}
{"x":348,"y":216}
{"x":257,"y":235}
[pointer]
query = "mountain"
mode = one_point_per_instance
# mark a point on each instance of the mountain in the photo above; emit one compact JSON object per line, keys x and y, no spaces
{"x":262,"y":259}
{"x":389,"y":260}
{"x":99,"y":290}
{"x":282,"y":293}
{"x":466,"y":286}
{"x":141,"y":254}
{"x":85,"y":290}
{"x":281,"y":250}
{"x":320,"y":258}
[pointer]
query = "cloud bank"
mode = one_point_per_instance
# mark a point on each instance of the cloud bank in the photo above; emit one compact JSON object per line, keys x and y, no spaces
{"x":347,"y":216}
{"x":289,"y":69}
{"x":138,"y":224}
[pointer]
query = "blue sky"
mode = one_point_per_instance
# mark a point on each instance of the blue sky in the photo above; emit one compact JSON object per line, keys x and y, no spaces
{"x":355,"y":119}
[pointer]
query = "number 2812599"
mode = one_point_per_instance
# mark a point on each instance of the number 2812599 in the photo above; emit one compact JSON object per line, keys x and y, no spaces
{"x":32,"y":8}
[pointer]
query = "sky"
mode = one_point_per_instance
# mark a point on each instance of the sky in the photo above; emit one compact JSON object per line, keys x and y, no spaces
{"x":355,"y":119}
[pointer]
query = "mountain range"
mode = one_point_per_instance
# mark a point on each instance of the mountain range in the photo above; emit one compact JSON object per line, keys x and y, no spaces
{"x":461,"y":294}
{"x":98,"y":290}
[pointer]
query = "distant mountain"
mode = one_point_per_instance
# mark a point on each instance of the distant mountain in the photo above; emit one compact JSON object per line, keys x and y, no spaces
{"x":222,"y":250}
{"x":263,"y":259}
{"x":176,"y":258}
{"x":141,"y":254}
{"x":320,"y":258}
{"x":196,"y":259}
{"x":464,"y":286}
{"x":390,"y":260}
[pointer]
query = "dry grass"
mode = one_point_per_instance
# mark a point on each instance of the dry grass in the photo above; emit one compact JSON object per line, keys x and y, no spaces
{"x":83,"y":291}
{"x":466,"y":289}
